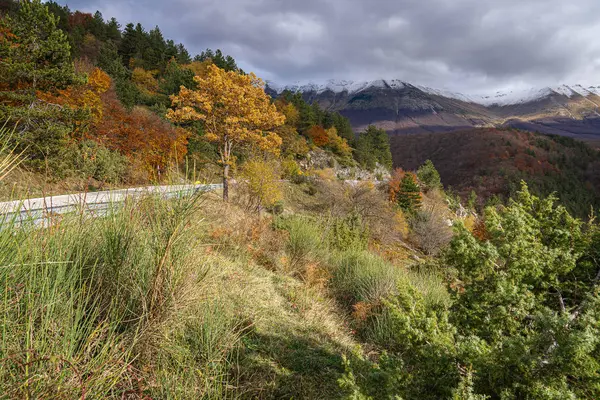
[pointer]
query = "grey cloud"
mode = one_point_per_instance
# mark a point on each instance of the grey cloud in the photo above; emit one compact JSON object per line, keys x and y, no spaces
{"x":467,"y":45}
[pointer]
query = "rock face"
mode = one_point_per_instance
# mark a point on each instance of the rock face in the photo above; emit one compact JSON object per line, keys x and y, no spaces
{"x":319,"y":159}
{"x":400,"y":107}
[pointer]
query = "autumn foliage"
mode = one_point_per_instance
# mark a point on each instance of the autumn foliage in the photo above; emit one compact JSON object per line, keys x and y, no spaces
{"x":318,"y":135}
{"x":262,"y":184}
{"x":84,"y":97}
{"x":404,"y":190}
{"x":140,"y":135}
{"x":235,"y":110}
{"x":394,"y":184}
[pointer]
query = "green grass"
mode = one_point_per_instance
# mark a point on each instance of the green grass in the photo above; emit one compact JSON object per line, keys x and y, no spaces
{"x":307,"y":240}
{"x":151,"y":300}
{"x":87,"y":300}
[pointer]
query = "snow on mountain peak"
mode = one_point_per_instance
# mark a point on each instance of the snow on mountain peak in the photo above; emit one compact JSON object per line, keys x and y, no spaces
{"x":337,"y":86}
{"x":500,"y":98}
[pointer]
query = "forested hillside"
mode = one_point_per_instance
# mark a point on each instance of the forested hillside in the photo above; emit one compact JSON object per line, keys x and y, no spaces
{"x":488,"y":164}
{"x":87,"y":99}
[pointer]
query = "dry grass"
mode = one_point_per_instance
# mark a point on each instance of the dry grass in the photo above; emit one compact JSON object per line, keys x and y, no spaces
{"x":243,"y":306}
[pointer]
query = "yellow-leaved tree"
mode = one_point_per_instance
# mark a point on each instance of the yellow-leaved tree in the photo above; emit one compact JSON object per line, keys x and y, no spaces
{"x":235,"y":110}
{"x":262,"y":183}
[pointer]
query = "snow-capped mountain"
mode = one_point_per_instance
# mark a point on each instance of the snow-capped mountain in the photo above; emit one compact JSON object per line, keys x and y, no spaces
{"x":500,"y":98}
{"x":401,"y":107}
{"x":506,"y":98}
{"x":340,"y":86}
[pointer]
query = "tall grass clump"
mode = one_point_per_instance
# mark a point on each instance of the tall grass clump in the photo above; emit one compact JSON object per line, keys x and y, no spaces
{"x":306,"y":242}
{"x":83,"y":297}
{"x":360,"y":276}
{"x":374,"y":289}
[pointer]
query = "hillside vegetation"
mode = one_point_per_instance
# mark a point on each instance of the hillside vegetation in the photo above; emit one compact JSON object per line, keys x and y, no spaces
{"x":317,"y":272}
{"x":492,"y":162}
{"x":87,"y":102}
{"x":351,"y":292}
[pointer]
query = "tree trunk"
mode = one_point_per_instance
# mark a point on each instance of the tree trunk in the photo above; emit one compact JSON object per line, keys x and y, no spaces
{"x":226,"y":182}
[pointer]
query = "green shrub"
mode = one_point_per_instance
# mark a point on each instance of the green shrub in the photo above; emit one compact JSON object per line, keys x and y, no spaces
{"x":349,"y":233}
{"x":92,"y":160}
{"x":359,"y":276}
{"x":290,"y":169}
{"x":305,"y":241}
{"x":419,"y":355}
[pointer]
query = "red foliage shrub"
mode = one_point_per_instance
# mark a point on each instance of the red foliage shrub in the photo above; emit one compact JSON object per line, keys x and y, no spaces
{"x":140,"y":135}
{"x":318,"y":135}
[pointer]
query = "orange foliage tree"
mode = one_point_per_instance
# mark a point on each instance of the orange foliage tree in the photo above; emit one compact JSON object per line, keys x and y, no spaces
{"x":338,"y":144}
{"x":394,"y":184}
{"x":235,"y":110}
{"x":140,"y":135}
{"x":292,"y":115}
{"x":318,"y":135}
{"x":199,"y":68}
{"x":84,"y":98}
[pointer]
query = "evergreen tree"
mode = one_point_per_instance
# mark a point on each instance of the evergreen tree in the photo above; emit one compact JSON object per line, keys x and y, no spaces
{"x":342,"y":124}
{"x":110,"y":61}
{"x":429,"y":176}
{"x":61,"y":13}
{"x":183,"y":56}
{"x":155,"y":56}
{"x":113,"y":30}
{"x":37,"y":54}
{"x":128,"y":45}
{"x":373,"y":146}
{"x":35,"y":58}
{"x":171,"y":50}
{"x":230,"y":64}
{"x":97,"y":26}
{"x":409,"y":195}
{"x":175,"y":77}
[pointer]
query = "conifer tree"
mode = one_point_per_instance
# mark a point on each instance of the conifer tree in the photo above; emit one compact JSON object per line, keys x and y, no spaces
{"x":429,"y":176}
{"x":409,"y":195}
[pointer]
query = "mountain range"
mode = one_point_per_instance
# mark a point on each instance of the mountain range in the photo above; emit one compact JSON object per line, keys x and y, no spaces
{"x":401,"y":107}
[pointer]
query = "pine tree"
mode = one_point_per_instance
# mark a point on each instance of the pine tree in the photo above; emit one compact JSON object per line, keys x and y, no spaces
{"x":97,"y":26}
{"x":429,"y":176}
{"x":113,"y":30}
{"x":35,"y":57}
{"x":372,"y":147}
{"x":183,"y":56}
{"x":128,"y":45}
{"x":36,"y":54}
{"x":155,"y":56}
{"x":409,"y":195}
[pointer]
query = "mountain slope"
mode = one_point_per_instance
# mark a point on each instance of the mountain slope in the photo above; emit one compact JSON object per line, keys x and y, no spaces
{"x":493,"y":161}
{"x":400,"y":107}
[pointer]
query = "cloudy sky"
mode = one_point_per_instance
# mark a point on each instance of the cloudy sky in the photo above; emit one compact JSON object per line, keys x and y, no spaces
{"x":472,"y":46}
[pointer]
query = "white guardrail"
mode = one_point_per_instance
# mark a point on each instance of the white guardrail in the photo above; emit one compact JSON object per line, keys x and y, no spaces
{"x":42,"y":209}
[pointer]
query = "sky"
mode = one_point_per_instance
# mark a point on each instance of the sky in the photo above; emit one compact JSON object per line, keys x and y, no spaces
{"x":469,"y":46}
